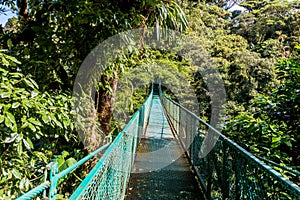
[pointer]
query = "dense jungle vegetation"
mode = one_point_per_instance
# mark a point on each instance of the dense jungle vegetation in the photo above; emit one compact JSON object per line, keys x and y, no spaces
{"x":256,"y":49}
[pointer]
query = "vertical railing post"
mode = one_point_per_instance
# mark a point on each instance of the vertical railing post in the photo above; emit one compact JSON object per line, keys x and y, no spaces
{"x":53,"y":181}
{"x":125,"y":162}
{"x":45,"y":179}
{"x":179,"y":125}
{"x":192,"y":139}
{"x":134,"y":139}
{"x":226,"y":171}
{"x":209,"y":176}
{"x":186,"y":126}
{"x":189,"y":134}
{"x":177,"y":117}
{"x":141,"y":123}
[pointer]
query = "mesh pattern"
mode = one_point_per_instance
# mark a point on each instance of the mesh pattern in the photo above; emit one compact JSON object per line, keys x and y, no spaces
{"x":109,"y":178}
{"x":37,"y":193}
{"x":227,"y":171}
{"x":108,"y":182}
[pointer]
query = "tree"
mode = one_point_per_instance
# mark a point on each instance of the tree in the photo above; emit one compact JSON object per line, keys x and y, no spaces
{"x":59,"y":35}
{"x":243,"y":71}
{"x":270,"y":27}
{"x":49,"y":41}
{"x":31,"y":123}
{"x":269,"y":127}
{"x":225,"y":4}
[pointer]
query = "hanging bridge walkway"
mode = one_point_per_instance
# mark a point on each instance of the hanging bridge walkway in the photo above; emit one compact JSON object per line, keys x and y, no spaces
{"x":158,"y":156}
{"x":161,"y":170}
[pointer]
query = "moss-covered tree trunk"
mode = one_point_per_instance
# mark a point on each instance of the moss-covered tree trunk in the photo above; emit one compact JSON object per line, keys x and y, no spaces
{"x":106,"y":102}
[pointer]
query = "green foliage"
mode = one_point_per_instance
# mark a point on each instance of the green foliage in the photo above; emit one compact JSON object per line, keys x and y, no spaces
{"x":30,"y":123}
{"x":4,"y":4}
{"x":58,"y":35}
{"x":157,"y":65}
{"x":170,"y":16}
{"x":263,"y":100}
{"x":243,"y":71}
{"x":46,"y":50}
{"x":270,"y":126}
{"x":271,"y":27}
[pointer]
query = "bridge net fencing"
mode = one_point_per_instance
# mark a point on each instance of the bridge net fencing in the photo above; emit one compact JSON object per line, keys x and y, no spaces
{"x":107,"y":180}
{"x":227,"y":171}
{"x":109,"y":177}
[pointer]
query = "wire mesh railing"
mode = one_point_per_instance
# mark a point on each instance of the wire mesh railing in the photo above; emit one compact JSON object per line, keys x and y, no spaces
{"x":227,"y":171}
{"x":109,"y":177}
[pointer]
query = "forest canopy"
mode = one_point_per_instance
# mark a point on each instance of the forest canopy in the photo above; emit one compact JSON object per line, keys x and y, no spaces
{"x":256,"y":50}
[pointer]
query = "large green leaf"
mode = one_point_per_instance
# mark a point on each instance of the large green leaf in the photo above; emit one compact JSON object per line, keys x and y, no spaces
{"x":1,"y":118}
{"x":11,"y":138}
{"x":69,"y":162}
{"x":8,"y":123}
{"x":20,"y":148}
{"x":27,"y":143}
{"x":35,"y":121}
{"x":29,"y":83}
{"x":16,"y":173}
{"x":16,"y":104}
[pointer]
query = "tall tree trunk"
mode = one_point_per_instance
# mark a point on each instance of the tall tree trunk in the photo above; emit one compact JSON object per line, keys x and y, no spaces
{"x":106,"y":101}
{"x":23,"y":8}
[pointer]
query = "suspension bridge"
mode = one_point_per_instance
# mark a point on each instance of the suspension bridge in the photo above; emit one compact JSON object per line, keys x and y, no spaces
{"x":158,"y":156}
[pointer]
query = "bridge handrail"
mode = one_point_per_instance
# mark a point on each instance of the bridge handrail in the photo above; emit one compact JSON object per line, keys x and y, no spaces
{"x":51,"y":166}
{"x":125,"y":145}
{"x":290,"y":186}
{"x":141,"y":116}
{"x":35,"y":191}
{"x":85,"y":183}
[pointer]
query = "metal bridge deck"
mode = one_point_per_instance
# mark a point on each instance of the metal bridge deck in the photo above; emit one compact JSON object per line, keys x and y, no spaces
{"x":161,"y":170}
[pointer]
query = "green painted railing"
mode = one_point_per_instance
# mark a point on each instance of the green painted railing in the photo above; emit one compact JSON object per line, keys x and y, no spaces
{"x":227,"y":171}
{"x":109,"y":177}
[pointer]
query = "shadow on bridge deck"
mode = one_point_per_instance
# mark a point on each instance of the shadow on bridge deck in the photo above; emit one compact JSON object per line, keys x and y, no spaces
{"x":161,"y":170}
